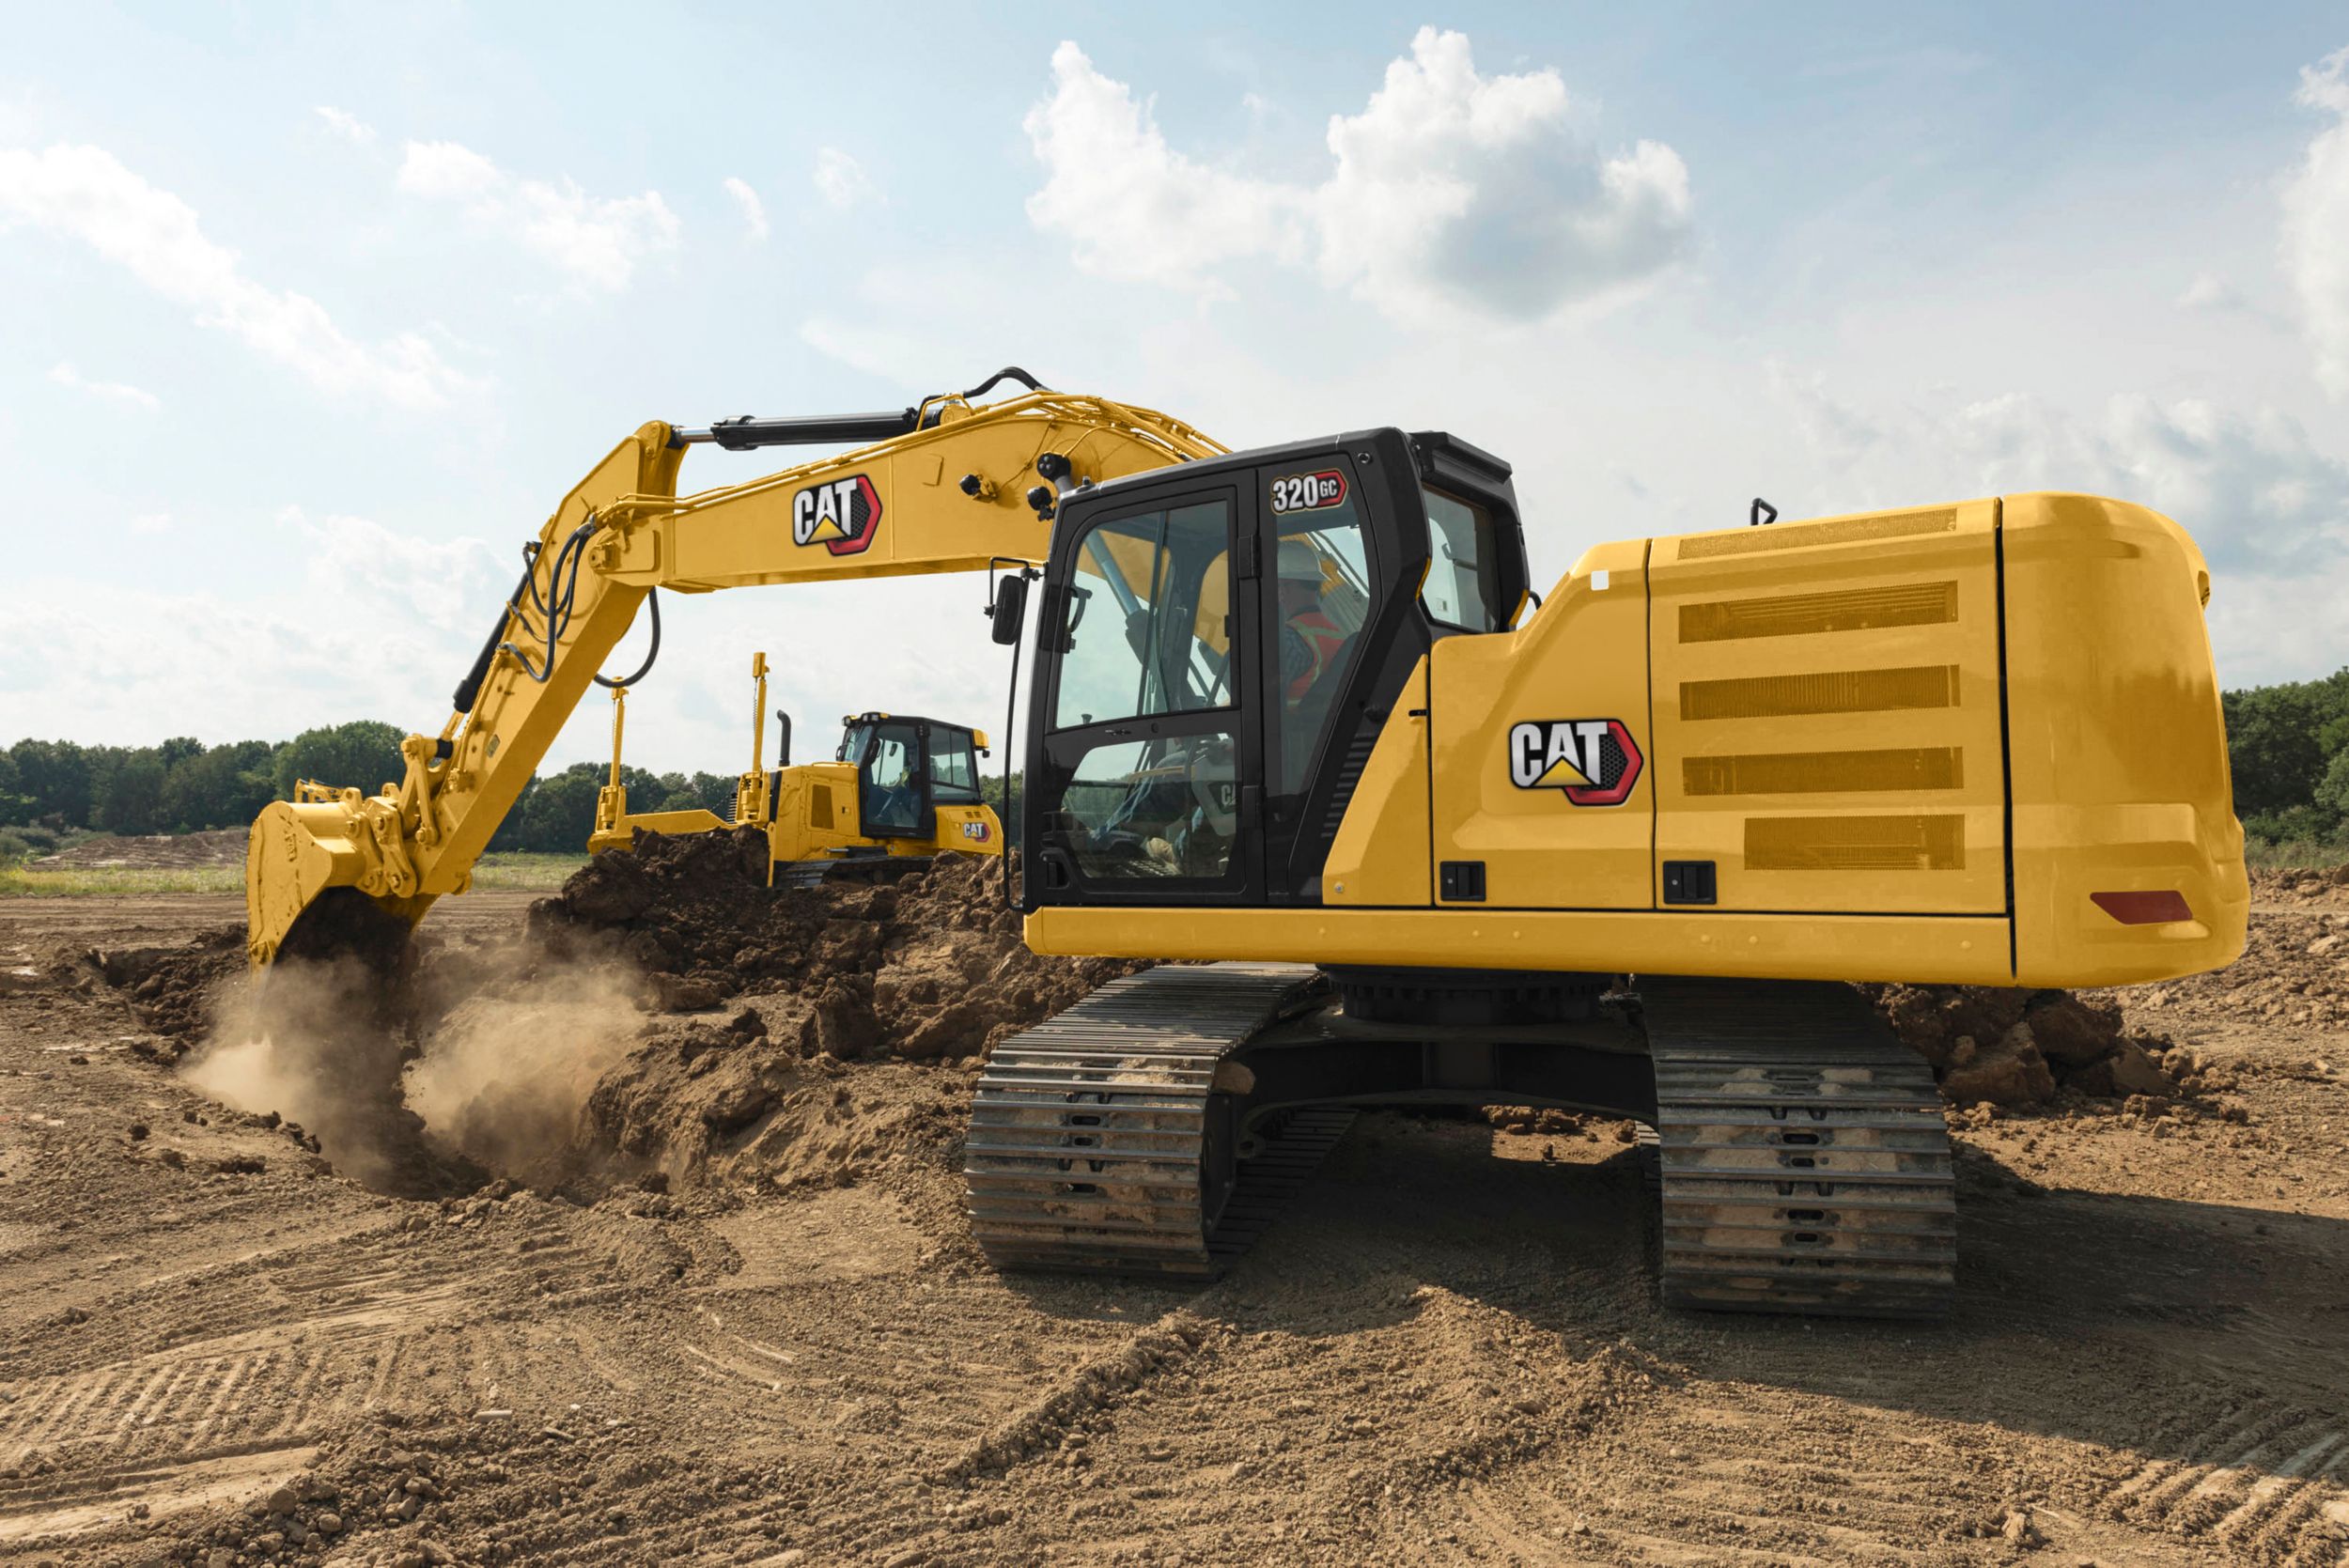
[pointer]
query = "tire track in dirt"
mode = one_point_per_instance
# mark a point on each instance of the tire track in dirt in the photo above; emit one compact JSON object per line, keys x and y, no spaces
{"x":2264,"y":1480}
{"x":269,"y":1354}
{"x":1732,"y":1474}
{"x":806,"y":1361}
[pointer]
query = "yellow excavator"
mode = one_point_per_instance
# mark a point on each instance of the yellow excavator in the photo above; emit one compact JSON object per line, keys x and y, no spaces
{"x":1297,"y":711}
{"x":900,"y":791}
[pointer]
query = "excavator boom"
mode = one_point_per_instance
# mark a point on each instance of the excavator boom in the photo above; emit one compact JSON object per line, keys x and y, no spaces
{"x":947,"y":485}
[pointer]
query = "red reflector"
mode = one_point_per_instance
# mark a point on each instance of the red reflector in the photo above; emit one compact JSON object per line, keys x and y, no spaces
{"x":2143,"y":909}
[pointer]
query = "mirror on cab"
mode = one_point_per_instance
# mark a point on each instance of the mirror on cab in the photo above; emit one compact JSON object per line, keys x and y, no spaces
{"x":1009,"y":609}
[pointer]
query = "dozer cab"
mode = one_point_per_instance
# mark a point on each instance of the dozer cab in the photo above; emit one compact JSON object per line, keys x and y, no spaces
{"x":898,"y":792}
{"x":1298,"y":714}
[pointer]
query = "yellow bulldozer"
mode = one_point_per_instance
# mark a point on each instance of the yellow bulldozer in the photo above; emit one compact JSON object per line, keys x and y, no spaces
{"x":1297,"y":711}
{"x":899,"y":791}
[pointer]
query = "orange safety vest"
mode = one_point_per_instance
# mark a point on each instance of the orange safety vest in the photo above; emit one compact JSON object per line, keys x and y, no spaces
{"x":1323,"y":641}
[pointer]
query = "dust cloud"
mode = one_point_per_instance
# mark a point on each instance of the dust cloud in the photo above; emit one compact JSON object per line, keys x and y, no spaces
{"x":419,"y":1083}
{"x":319,"y":1042}
{"x":501,"y":1079}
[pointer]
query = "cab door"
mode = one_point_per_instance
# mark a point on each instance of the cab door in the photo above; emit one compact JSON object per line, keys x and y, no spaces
{"x":893,"y":782}
{"x":1318,"y":623}
{"x":1149,"y":707}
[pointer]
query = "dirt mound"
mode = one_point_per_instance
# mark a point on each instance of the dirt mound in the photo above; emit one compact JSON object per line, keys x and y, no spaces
{"x":2294,"y":970}
{"x":174,"y":991}
{"x":932,"y":965}
{"x":2327,"y":888}
{"x":2015,"y":1046}
{"x":213,"y":847}
{"x":434,"y":1479}
{"x":428,"y":1065}
{"x":927,"y":969}
{"x":703,"y":1101}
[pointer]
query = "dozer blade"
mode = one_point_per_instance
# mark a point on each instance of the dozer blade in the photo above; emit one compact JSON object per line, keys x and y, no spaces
{"x":314,"y":885}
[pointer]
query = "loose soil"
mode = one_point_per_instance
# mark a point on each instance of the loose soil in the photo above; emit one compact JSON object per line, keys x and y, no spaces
{"x":722,"y":1308}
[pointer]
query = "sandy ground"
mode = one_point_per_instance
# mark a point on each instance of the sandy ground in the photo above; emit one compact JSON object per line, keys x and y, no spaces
{"x":214,"y":1349}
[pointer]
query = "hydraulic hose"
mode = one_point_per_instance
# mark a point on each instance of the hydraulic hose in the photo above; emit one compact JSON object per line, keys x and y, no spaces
{"x":555,"y":612}
{"x":652,"y":601}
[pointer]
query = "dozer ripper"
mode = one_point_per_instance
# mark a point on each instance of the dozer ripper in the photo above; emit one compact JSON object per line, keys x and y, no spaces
{"x":1295,"y":711}
{"x":899,"y":792}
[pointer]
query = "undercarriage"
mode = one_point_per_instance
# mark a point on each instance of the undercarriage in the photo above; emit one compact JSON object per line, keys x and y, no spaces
{"x":1155,"y":1127}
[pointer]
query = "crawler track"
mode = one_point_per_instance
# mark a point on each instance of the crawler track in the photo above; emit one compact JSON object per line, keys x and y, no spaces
{"x":1806,"y":1167}
{"x":1100,"y":1140}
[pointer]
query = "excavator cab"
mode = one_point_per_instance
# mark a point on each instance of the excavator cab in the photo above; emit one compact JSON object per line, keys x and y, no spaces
{"x":1221,"y":644}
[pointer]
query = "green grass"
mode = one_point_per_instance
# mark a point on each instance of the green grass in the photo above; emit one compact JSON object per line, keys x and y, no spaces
{"x":526,"y":873}
{"x":77,"y":881}
{"x":2300,"y":855}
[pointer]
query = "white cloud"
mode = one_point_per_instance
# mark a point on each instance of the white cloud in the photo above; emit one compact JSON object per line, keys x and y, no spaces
{"x":2249,"y":485}
{"x":598,"y":241}
{"x":86,"y":194}
{"x":1134,"y":207}
{"x":2268,"y":508}
{"x":2316,"y":223}
{"x":2208,"y":291}
{"x":754,"y":210}
{"x":841,"y":180}
{"x":444,"y":584}
{"x":227,"y":669}
{"x":1451,"y":192}
{"x":65,"y":375}
{"x":147,"y":524}
{"x":346,"y":125}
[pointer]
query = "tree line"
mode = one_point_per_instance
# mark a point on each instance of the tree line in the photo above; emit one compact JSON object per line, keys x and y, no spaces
{"x":2287,"y":749}
{"x":2287,"y":745}
{"x":53,"y":788}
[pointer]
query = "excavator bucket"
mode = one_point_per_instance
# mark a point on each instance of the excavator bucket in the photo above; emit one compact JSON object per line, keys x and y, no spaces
{"x":307,"y":870}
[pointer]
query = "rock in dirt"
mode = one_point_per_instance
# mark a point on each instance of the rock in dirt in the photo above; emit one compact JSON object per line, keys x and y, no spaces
{"x":173,"y":990}
{"x":2012,"y":1046}
{"x":2010,"y":1071}
{"x":2134,"y":1072}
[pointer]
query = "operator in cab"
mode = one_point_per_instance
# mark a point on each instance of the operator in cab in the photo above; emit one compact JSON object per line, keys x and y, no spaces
{"x":1311,"y":642}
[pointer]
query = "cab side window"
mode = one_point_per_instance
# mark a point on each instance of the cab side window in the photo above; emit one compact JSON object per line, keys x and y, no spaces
{"x":954,"y":767}
{"x":1463,"y":587}
{"x":1322,"y":578}
{"x":1147,"y":627}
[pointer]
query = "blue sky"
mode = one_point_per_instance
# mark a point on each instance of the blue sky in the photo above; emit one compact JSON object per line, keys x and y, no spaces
{"x":313,"y":314}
